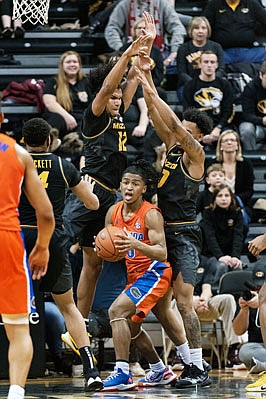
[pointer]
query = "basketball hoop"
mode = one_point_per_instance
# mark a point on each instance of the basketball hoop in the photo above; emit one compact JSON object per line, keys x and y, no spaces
{"x":34,"y":11}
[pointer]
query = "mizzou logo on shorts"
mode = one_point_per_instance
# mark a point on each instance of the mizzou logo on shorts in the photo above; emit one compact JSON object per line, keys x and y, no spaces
{"x":135,"y":292}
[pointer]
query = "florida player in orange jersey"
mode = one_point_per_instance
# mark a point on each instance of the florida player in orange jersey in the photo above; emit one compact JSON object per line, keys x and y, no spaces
{"x":16,"y":171}
{"x":149,"y":275}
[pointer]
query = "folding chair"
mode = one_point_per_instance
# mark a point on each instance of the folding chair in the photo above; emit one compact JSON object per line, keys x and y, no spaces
{"x":234,"y":282}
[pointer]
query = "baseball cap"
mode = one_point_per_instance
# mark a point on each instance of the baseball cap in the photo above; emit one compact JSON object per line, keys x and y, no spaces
{"x":259,"y":274}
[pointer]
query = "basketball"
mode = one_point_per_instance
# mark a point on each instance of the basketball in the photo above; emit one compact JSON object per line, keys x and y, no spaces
{"x":104,"y":243}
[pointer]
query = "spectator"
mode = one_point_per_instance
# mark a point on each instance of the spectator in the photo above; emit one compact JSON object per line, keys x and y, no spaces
{"x":234,"y":27}
{"x":67,"y":95}
{"x":252,"y":129}
{"x":238,"y":170}
{"x":211,"y":94}
{"x":188,"y":56}
{"x":167,"y":21}
{"x":222,"y":226}
{"x":215,"y":176}
{"x":209,"y":308}
{"x":6,"y":10}
{"x":253,"y":352}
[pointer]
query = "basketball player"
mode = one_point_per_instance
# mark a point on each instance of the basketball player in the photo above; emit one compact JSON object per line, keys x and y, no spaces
{"x":17,"y":171}
{"x":58,"y":175}
{"x":177,"y":191}
{"x":256,"y":246}
{"x":149,"y":276}
{"x":105,"y":140}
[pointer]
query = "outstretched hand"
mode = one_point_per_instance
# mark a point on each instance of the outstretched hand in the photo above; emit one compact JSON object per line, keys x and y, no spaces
{"x":150,"y":28}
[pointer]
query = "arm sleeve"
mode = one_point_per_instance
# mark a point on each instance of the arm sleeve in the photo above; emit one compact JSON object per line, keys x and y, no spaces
{"x":173,"y":27}
{"x":227,"y":104}
{"x":220,"y":55}
{"x":238,"y":236}
{"x":50,"y":87}
{"x":248,"y":100}
{"x":114,"y":33}
{"x":181,"y":64}
{"x":210,"y":234}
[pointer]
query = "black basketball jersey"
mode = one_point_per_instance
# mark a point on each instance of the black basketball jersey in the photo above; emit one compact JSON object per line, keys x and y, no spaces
{"x":56,"y":175}
{"x":177,"y":190}
{"x":105,"y":140}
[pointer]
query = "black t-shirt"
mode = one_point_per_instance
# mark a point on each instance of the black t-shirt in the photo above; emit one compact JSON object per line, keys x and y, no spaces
{"x":80,"y":94}
{"x":57,"y":175}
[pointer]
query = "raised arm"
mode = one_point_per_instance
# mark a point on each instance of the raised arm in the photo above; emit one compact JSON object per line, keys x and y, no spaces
{"x":36,"y":194}
{"x":84,"y":191}
{"x":168,"y":127}
{"x":115,"y":76}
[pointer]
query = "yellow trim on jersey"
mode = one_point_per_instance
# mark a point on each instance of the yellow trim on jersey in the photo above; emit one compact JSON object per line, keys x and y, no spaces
{"x":97,"y":135}
{"x":40,"y":153}
{"x":112,"y":190}
{"x":178,"y":223}
{"x":186,"y":174}
{"x":62,"y":171}
{"x":28,"y":226}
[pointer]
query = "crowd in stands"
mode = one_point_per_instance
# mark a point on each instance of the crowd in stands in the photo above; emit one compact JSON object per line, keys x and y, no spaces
{"x":200,"y":49}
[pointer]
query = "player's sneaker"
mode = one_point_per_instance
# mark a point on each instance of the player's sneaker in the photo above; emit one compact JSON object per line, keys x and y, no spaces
{"x":192,"y":376}
{"x":233,"y":361}
{"x":136,"y":369}
{"x":153,"y":378}
{"x":118,"y":381}
{"x":93,"y":381}
{"x":259,"y":385}
{"x":69,"y":341}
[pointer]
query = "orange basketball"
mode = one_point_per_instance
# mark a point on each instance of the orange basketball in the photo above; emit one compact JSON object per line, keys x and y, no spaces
{"x":104,"y":243}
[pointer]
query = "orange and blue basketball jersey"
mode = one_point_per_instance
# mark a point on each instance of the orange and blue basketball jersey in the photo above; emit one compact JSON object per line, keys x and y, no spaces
{"x":148,"y":280}
{"x":15,"y":278}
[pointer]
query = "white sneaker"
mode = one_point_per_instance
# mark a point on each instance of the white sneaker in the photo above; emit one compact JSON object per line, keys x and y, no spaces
{"x":136,"y":370}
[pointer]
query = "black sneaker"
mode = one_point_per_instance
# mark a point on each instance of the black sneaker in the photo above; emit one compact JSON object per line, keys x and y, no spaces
{"x":93,"y":381}
{"x":192,"y":376}
{"x":206,"y":365}
{"x":233,"y":361}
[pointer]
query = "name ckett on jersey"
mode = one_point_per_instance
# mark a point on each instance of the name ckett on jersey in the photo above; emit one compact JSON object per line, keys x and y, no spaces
{"x":43,"y":163}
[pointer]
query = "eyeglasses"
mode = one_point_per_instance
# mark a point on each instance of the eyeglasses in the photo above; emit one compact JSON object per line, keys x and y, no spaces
{"x":227,"y":140}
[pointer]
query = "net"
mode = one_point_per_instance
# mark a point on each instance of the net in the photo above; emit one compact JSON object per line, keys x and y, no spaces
{"x":34,"y":11}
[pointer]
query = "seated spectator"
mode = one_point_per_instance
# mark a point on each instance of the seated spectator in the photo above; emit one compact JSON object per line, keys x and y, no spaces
{"x":209,"y":307}
{"x":223,"y":232}
{"x":6,"y":11}
{"x":67,"y":95}
{"x":233,"y":24}
{"x":215,"y":176}
{"x":188,"y":56}
{"x":252,"y":129}
{"x":212,"y":94}
{"x":239,"y":173}
{"x":167,"y":22}
{"x":253,"y":352}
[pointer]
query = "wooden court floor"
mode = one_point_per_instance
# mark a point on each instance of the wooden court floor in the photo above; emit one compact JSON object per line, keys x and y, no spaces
{"x":226,"y":384}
